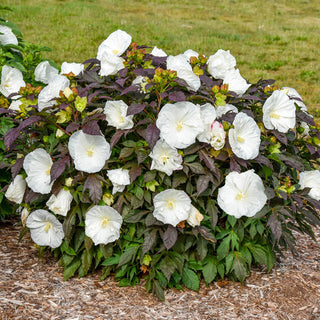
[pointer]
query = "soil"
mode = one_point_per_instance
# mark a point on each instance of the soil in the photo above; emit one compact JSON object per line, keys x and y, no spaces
{"x":32,"y":288}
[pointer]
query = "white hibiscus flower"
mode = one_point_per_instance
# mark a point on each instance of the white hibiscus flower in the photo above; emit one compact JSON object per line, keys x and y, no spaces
{"x":158,"y":52}
{"x":116,"y":115}
{"x":120,"y":178}
{"x":110,"y":64}
{"x":45,"y":228}
{"x":11,"y":81}
{"x":7,"y":36}
{"x":235,"y":82}
{"x":165,"y":158}
{"x":191,"y":53}
{"x":37,"y":165}
{"x":60,"y":204}
{"x":103,"y":224}
{"x":293,"y":94}
{"x":16,"y":189}
{"x":221,"y":110}
{"x":195,"y":217}
{"x":15,"y":105}
{"x":179,"y":124}
{"x":221,"y":63}
{"x":311,"y":179}
{"x":44,"y":72}
{"x":242,"y":195}
{"x":279,"y":112}
{"x":46,"y":97}
{"x":88,"y":152}
{"x":115,"y":45}
{"x":244,"y":138}
{"x":171,"y":206}
{"x":184,"y":71}
{"x":75,"y":68}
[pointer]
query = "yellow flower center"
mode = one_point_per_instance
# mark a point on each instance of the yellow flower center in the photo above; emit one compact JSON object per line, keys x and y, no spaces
{"x":47,"y":226}
{"x":48,"y":171}
{"x":164,"y":158}
{"x":179,"y":125}
{"x":274,"y":115}
{"x":170,"y":204}
{"x":105,"y":222}
{"x":240,"y":139}
{"x":241,"y":196}
{"x":115,"y":51}
{"x":121,"y":119}
{"x":90,"y":152}
{"x":6,"y":85}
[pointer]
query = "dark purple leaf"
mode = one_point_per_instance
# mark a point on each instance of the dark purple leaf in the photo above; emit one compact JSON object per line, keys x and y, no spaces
{"x":94,"y":186}
{"x":144,"y":72}
{"x":169,"y":237}
{"x":209,"y":162}
{"x":228,"y":117}
{"x":116,"y":137}
{"x":207,"y":80}
{"x":177,"y":96}
{"x":121,"y":81}
{"x":118,"y":205}
{"x":158,"y":61}
{"x":123,"y":72}
{"x":95,"y":61}
{"x":263,"y":160}
{"x":315,"y":203}
{"x":96,"y":116}
{"x":251,"y":97}
{"x":92,"y":128}
{"x":292,"y":161}
{"x":134,"y":173}
{"x":305,"y":117}
{"x":16,"y":167}
{"x":94,"y":94}
{"x":135,"y":108}
{"x":202,"y":183}
{"x":298,"y":200}
{"x":152,"y":135}
{"x":311,"y":149}
{"x":30,"y":196}
{"x":72,"y":127}
{"x":275,"y":226}
{"x":205,"y":232}
{"x":12,"y":134}
{"x":149,"y":241}
{"x":281,"y":137}
{"x":133,"y":88}
{"x":4,"y":110}
{"x":234,"y":166}
{"x":3,"y":165}
{"x":58,"y":167}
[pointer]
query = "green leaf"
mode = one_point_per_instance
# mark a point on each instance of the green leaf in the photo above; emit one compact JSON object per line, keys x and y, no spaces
{"x":129,"y":143}
{"x":149,"y":241}
{"x":5,"y":125}
{"x":223,"y":248}
{"x":124,"y":282}
{"x":196,"y":167}
{"x":229,"y":261}
{"x":157,"y":290}
{"x":71,"y":269}
{"x":212,"y":211}
{"x":190,"y":279}
{"x":78,"y":239}
{"x":127,"y":255}
{"x":126,"y":152}
{"x":178,"y":259}
{"x":178,"y":179}
{"x":209,"y":271}
{"x":202,"y":247}
{"x":111,"y":261}
{"x":239,"y":266}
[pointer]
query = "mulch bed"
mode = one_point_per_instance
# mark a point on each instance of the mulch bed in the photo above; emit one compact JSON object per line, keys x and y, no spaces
{"x":32,"y":288}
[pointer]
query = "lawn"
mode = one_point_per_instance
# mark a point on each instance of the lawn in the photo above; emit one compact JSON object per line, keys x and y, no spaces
{"x":269,"y":39}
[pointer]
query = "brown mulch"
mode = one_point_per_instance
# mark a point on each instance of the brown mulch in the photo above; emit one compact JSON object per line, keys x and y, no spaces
{"x":34,"y":289}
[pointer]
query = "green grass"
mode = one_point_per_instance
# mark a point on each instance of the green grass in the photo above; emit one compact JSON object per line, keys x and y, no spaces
{"x":270,"y":39}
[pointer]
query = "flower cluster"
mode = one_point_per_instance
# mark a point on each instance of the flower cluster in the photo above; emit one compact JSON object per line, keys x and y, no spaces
{"x":173,"y":164}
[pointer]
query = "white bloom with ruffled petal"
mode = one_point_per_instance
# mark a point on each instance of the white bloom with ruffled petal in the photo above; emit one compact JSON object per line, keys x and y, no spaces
{"x":244,"y":138}
{"x":184,"y":71}
{"x":120,"y":178}
{"x":103,"y":224}
{"x":191,"y":53}
{"x":110,"y":64}
{"x":236,"y":83}
{"x":293,"y":94}
{"x":11,"y":81}
{"x":158,"y":52}
{"x":89,"y":152}
{"x":165,"y":158}
{"x":116,"y":44}
{"x":60,"y":204}
{"x":195,"y":217}
{"x":44,"y":72}
{"x":45,"y":228}
{"x":116,"y":115}
{"x":279,"y":112}
{"x":16,"y":189}
{"x":213,"y":132}
{"x":48,"y":94}
{"x":221,"y":63}
{"x":75,"y":68}
{"x":171,"y":206}
{"x":311,"y":179}
{"x":37,"y":165}
{"x":15,"y":105}
{"x":221,"y":110}
{"x":179,"y":124}
{"x":242,"y":195}
{"x":7,"y":36}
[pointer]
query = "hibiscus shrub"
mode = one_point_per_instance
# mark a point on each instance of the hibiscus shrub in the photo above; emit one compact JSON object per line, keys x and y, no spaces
{"x":19,"y":60}
{"x":166,"y":168}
